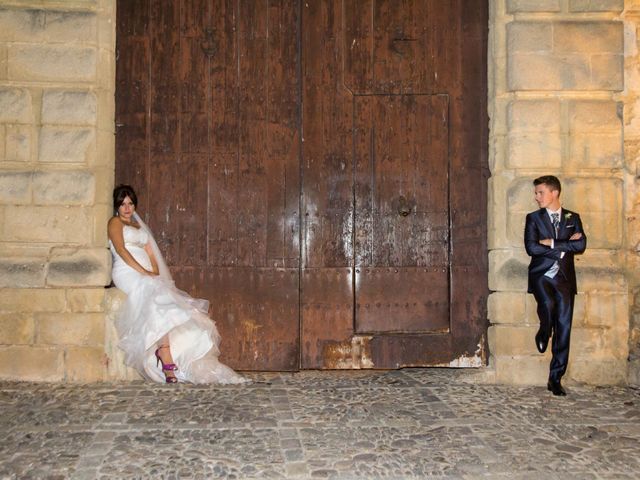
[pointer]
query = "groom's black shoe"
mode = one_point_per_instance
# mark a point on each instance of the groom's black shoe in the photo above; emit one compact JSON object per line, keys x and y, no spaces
{"x":542,"y":340}
{"x":556,"y":388}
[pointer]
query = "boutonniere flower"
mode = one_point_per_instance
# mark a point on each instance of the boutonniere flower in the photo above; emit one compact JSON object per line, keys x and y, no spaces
{"x":567,"y":216}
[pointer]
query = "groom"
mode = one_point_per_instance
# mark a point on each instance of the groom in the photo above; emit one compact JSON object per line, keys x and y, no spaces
{"x":552,"y":236}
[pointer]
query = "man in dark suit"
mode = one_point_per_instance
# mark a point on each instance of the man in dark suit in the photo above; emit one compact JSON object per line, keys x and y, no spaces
{"x":552,"y":236}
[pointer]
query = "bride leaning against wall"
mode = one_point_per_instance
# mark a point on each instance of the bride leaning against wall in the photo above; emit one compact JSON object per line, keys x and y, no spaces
{"x":166,"y":335}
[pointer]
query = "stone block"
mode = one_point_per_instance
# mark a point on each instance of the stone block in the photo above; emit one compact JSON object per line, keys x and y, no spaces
{"x":508,"y":270}
{"x":607,"y":72}
{"x":543,"y":71}
{"x":31,"y":363}
{"x":101,"y":215}
{"x":104,"y":182}
{"x":16,"y":329}
{"x":84,"y":329}
{"x":583,"y":56}
{"x":595,"y":150}
{"x":63,"y":63}
{"x":632,"y":154}
{"x":531,"y":308}
{"x":633,"y":232}
{"x":579,"y":310}
{"x":85,"y":364}
{"x":595,"y":116}
{"x":106,"y":67}
{"x":4,"y":63}
{"x":116,"y":367}
{"x":18,"y":143}
{"x":517,"y":6}
{"x":588,"y":37}
{"x":105,"y":148}
{"x":66,"y":146}
{"x":48,"y":224}
{"x":85,"y":299}
{"x":515,"y":228}
{"x":534,"y":139}
{"x":598,"y":372}
{"x":512,"y":340}
{"x":63,"y":188}
{"x":499,"y":115}
{"x":566,"y":69}
{"x":534,"y":116}
{"x":3,"y":142}
{"x":634,"y":343}
{"x":81,"y":268}
{"x":605,"y":309}
{"x":634,"y":335}
{"x":596,"y":5}
{"x":634,"y":373}
{"x":599,"y":271}
{"x":496,"y":221}
{"x":599,"y":344}
{"x":535,"y":150}
{"x":577,"y":194}
{"x":15,"y":105}
{"x":22,"y":272}
{"x":106,"y":28}
{"x":522,"y":369}
{"x":15,"y":188}
{"x":634,"y":322}
{"x":603,"y":229}
{"x":69,"y":108}
{"x":529,"y":37}
{"x":520,"y":197}
{"x":506,"y":307}
{"x":27,"y":300}
{"x":24,"y":250}
{"x":38,"y":26}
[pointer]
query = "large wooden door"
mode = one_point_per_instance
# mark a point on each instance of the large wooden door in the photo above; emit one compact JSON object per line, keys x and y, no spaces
{"x":317,"y":170}
{"x":208,"y":133}
{"x":394,"y":174}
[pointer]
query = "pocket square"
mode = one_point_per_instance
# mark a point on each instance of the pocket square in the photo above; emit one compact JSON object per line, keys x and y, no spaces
{"x":570,"y":226}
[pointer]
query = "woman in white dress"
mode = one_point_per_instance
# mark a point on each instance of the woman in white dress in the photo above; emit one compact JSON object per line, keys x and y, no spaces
{"x":166,"y":335}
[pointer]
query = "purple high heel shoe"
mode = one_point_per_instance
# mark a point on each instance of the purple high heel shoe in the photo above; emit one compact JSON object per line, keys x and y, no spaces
{"x":166,"y":367}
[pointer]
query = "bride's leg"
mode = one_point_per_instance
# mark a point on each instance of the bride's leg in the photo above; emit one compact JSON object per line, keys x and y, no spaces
{"x":163,"y":354}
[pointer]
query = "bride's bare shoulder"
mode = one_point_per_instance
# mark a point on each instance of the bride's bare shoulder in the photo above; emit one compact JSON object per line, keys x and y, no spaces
{"x":115,"y":225}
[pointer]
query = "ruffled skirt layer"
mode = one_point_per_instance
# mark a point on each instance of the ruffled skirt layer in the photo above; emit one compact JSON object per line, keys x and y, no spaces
{"x":155,"y":308}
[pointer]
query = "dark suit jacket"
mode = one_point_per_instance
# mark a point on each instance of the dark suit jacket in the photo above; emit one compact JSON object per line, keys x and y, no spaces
{"x":537,"y":227}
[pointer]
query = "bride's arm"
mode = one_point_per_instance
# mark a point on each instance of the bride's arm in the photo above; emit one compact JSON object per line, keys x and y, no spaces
{"x":115,"y":229}
{"x":152,"y":257}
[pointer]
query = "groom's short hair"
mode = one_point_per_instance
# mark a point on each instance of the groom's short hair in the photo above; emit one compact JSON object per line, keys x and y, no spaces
{"x":550,"y":181}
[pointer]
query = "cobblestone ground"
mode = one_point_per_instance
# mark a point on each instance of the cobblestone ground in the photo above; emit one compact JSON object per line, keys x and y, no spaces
{"x":412,"y":423}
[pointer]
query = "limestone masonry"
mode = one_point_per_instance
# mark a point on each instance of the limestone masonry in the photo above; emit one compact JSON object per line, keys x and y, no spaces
{"x":57,"y":75}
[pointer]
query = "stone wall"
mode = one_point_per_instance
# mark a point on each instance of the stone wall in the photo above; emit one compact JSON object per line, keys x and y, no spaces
{"x":557,"y":75}
{"x":631,"y":99}
{"x":56,"y":176}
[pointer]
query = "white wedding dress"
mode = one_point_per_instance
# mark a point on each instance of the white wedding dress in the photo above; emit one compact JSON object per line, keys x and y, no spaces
{"x":155,"y":308}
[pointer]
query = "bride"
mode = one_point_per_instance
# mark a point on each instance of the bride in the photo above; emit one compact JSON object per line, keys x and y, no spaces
{"x":166,"y":334}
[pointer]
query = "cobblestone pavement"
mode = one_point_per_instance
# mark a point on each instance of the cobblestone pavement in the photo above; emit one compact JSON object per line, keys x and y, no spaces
{"x":412,"y":423}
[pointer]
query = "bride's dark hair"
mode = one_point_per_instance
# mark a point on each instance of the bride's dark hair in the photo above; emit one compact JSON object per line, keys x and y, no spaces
{"x":120,"y":193}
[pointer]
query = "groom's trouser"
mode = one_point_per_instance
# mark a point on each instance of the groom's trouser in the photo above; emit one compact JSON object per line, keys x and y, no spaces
{"x":555,"y":311}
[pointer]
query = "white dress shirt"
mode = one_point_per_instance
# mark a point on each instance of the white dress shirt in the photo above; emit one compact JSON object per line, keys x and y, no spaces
{"x":553,"y":271}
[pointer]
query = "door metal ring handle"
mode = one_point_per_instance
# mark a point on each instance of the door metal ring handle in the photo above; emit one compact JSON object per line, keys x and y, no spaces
{"x":404,"y":209}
